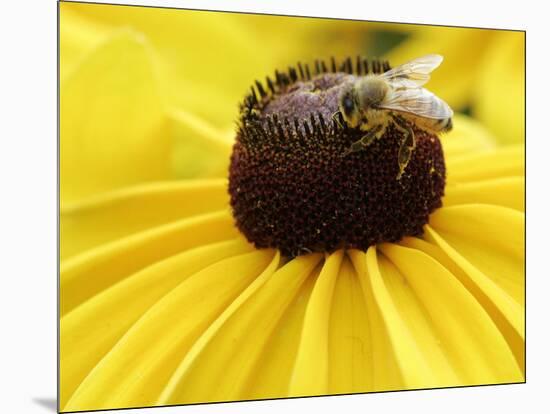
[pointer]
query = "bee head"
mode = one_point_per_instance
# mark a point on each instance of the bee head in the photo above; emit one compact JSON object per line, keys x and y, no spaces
{"x":348,"y":106}
{"x":371,"y":91}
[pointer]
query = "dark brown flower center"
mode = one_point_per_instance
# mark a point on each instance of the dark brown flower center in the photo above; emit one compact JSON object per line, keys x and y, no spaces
{"x":291,"y":187}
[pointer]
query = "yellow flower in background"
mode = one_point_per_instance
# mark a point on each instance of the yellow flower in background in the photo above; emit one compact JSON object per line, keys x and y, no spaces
{"x":163,"y":301}
{"x":183,"y":86}
{"x":487,"y":68}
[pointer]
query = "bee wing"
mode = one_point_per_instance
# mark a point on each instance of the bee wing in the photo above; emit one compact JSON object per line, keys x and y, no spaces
{"x":417,"y":101}
{"x":414,"y":73}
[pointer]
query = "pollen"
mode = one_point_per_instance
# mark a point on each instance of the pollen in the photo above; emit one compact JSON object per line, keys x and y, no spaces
{"x":292,"y":188}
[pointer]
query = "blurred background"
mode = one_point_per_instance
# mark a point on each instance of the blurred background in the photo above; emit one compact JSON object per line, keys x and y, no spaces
{"x":152,"y":94}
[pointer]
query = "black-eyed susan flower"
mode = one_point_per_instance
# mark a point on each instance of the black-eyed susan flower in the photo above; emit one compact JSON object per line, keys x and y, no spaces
{"x":165,"y":301}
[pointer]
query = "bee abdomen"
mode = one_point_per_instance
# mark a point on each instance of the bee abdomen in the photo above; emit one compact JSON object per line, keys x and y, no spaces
{"x":449,"y":125}
{"x":445,"y":125}
{"x":434,"y":125}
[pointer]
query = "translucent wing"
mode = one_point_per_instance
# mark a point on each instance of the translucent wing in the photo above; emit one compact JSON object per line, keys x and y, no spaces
{"x":417,"y":101}
{"x":414,"y":73}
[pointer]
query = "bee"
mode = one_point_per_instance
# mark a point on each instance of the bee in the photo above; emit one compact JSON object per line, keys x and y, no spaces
{"x":375,"y":101}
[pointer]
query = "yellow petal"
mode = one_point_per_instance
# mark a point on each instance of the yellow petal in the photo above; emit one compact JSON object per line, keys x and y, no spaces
{"x":275,"y":362}
{"x":454,"y":80}
{"x":413,"y":350}
{"x":487,"y":243}
{"x":89,"y":273}
{"x":311,"y":374}
{"x":506,"y":313}
{"x":467,"y":137}
{"x":355,"y":337}
{"x":120,"y":213}
{"x":90,"y":330}
{"x":112,"y":126}
{"x":136,"y":370}
{"x":500,"y":87}
{"x":200,"y":150}
{"x":202,"y":345}
{"x":502,"y":162}
{"x":506,"y":192}
{"x":463,"y":332}
{"x":207,"y":61}
{"x":480,"y":229}
{"x":77,"y":36}
{"x":233,"y":347}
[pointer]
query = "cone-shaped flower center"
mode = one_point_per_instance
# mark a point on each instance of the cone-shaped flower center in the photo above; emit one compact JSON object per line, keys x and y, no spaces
{"x":291,"y":185}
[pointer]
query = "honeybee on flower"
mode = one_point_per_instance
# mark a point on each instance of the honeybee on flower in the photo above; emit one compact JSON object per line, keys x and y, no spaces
{"x":375,"y":101}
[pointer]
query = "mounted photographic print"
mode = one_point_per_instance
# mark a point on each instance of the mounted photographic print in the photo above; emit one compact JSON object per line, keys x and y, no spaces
{"x":263,"y":207}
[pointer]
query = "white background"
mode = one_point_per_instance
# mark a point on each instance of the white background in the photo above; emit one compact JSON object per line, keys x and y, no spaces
{"x":28,"y":206}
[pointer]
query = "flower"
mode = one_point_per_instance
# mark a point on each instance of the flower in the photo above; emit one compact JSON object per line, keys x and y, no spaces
{"x":302,"y":181}
{"x":162,"y":299}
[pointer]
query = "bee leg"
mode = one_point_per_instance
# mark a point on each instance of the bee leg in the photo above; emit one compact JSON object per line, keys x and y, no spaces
{"x":336,"y":118}
{"x":405,"y":153}
{"x":364,"y":142}
{"x":407,"y":146}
